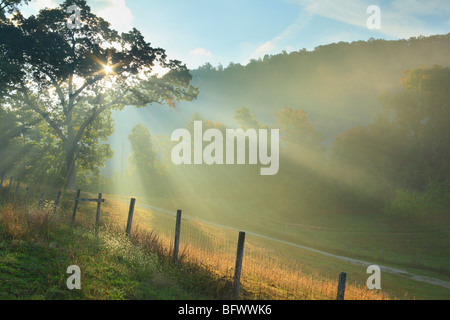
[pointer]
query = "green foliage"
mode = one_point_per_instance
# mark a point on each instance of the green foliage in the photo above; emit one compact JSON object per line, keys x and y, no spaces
{"x":36,"y":248}
{"x":10,"y":7}
{"x":144,"y":156}
{"x":73,"y":78}
{"x":434,"y":201}
{"x":297,"y":130}
{"x":405,"y":147}
{"x":144,"y":160}
{"x":362,"y":171}
{"x":246,"y":120}
{"x":206,"y":124}
{"x":419,"y":117}
{"x":336,"y":84}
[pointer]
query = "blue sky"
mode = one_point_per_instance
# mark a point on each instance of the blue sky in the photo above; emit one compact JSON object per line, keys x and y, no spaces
{"x":200,"y":31}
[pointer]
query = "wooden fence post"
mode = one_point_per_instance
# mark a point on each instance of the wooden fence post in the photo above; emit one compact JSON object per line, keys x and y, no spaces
{"x":57,"y":202}
{"x":41,"y":198}
{"x":341,"y":286}
{"x":75,"y":207}
{"x":238,"y":267}
{"x":97,"y":219}
{"x":176,"y":245}
{"x":130,"y":217}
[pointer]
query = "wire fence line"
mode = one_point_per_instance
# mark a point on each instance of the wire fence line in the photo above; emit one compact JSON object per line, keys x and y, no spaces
{"x":412,"y":248}
{"x":265,"y":271}
{"x":13,"y":191}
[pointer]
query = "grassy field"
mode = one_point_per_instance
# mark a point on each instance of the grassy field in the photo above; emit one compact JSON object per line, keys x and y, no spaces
{"x":267,"y":272}
{"x":418,"y":243}
{"x":418,"y":246}
{"x":139,"y":267}
{"x":36,"y":248}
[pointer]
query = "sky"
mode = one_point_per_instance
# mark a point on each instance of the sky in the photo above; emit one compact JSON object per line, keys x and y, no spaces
{"x":220,"y":32}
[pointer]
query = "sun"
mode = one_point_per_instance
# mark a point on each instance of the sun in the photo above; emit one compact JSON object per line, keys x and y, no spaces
{"x":108,"y":69}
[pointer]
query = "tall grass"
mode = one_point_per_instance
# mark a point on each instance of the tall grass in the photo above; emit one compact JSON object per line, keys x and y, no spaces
{"x":266,"y":274}
{"x":22,"y":223}
{"x":207,"y":253}
{"x":113,"y":266}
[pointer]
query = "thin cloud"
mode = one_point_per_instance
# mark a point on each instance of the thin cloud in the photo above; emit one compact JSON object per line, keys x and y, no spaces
{"x":42,"y":4}
{"x":281,"y":41}
{"x":263,"y":49}
{"x":200,"y":52}
{"x":198,"y":57}
{"x":117,"y":13}
{"x":399,"y":18}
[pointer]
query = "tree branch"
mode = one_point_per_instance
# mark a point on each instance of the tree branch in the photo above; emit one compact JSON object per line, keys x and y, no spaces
{"x":84,"y":86}
{"x":96,"y":112}
{"x":60,"y":95}
{"x":44,"y":115}
{"x":3,"y":5}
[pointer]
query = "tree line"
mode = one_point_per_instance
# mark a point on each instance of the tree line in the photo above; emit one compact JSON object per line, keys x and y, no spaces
{"x":398,"y":163}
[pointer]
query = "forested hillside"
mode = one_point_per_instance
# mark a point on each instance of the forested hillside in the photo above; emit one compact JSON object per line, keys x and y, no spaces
{"x":338,"y":85}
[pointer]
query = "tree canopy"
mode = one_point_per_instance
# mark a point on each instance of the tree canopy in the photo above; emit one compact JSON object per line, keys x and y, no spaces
{"x":409,"y":141}
{"x":71,"y":78}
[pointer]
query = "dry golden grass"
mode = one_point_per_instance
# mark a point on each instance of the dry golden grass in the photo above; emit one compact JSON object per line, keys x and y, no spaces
{"x":23,"y":222}
{"x":265,"y":275}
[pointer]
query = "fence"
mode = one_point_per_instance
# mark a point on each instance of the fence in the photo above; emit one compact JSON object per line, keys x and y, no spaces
{"x":254,"y":268}
{"x":267,"y":271}
{"x":14,"y":192}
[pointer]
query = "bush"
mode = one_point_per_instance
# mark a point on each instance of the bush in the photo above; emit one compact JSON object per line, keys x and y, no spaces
{"x":435,"y":200}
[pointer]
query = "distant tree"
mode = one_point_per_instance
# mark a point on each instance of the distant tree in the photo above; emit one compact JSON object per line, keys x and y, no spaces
{"x":246,"y":120}
{"x":207,"y":67}
{"x":9,"y":130}
{"x":143,"y":155}
{"x":206,"y":124}
{"x":15,"y":152}
{"x":410,"y":140}
{"x":296,"y":129}
{"x":420,"y":117}
{"x":374,"y":150}
{"x":73,"y":77}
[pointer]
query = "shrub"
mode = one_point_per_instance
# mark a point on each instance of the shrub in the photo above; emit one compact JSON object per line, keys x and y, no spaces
{"x":435,"y":200}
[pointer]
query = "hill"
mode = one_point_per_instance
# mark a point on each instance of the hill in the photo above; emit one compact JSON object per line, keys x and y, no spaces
{"x":338,"y":85}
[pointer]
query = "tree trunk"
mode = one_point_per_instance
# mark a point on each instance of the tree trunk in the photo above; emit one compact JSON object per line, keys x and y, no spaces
{"x":70,"y":167}
{"x":71,"y":175}
{"x":70,"y":149}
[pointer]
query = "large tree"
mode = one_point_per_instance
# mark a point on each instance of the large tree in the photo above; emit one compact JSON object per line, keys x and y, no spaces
{"x":71,"y":76}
